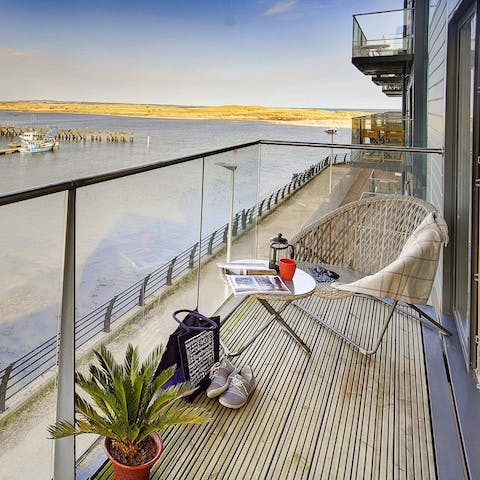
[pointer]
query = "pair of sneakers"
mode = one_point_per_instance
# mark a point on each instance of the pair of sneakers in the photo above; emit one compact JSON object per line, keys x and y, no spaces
{"x":232,"y":386}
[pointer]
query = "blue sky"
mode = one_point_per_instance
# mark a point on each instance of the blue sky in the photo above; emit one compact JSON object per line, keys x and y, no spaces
{"x":293,"y":53}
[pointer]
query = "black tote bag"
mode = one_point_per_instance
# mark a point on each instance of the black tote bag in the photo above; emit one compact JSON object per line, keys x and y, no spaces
{"x":194,"y":347}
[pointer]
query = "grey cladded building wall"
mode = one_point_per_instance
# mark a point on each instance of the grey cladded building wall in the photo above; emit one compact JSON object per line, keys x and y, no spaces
{"x":436,"y":106}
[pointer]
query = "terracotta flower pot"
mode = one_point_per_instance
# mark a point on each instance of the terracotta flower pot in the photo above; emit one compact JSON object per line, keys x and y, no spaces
{"x":139,"y":472}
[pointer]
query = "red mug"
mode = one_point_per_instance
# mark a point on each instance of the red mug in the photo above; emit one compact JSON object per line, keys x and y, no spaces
{"x":287,"y":268}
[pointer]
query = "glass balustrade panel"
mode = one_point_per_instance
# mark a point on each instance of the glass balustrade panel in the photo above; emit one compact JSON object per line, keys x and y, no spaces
{"x":382,"y":33}
{"x":31,"y":255}
{"x":229,"y":219}
{"x":137,"y":263}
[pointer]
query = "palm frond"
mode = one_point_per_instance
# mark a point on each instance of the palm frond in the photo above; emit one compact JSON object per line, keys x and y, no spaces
{"x":62,"y":429}
{"x":175,"y":415}
{"x":126,"y":402}
{"x":131,"y":363}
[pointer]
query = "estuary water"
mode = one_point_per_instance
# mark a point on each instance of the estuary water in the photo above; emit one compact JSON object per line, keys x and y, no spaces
{"x":125,"y":228}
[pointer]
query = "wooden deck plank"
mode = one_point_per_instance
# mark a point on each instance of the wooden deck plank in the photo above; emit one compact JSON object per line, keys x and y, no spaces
{"x":333,"y":415}
{"x":347,"y":405}
{"x":295,"y":455}
{"x":249,"y":459}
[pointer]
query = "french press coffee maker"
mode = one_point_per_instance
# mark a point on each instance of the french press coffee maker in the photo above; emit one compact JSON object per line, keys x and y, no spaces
{"x":279,"y":248}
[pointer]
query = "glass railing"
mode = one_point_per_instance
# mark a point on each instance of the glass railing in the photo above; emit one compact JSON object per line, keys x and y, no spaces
{"x":386,"y":128}
{"x":146,"y":243}
{"x":381,"y":34}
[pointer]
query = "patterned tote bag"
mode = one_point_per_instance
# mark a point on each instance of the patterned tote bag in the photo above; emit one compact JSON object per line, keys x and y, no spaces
{"x":194,"y":347}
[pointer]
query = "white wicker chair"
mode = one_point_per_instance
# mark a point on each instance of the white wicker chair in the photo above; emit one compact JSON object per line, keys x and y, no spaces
{"x":366,"y":239}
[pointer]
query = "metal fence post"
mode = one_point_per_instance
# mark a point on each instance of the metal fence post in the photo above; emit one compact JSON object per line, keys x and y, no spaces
{"x":250,"y":218}
{"x":260,"y":208}
{"x":276,"y":196}
{"x":170,"y":271}
{"x":244,"y":219}
{"x":143,"y":288}
{"x":270,"y":201}
{"x":210,"y":242}
{"x":108,"y":315}
{"x":235,"y":225}
{"x":3,"y":387}
{"x":225,"y":234}
{"x":191,"y":260}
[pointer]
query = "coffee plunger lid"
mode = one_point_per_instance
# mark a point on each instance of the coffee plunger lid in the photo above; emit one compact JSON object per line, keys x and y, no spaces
{"x":279,"y":239}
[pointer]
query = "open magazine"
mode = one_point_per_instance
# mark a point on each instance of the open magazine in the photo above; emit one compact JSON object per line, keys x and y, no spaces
{"x":246,"y":279}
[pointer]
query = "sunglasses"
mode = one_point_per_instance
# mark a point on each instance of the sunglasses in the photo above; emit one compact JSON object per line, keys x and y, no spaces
{"x":323,"y":271}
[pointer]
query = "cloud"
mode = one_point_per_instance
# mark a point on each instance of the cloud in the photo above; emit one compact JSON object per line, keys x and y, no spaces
{"x":281,"y":7}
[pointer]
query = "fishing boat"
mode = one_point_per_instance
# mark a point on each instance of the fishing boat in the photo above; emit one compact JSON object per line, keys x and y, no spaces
{"x":33,"y":141}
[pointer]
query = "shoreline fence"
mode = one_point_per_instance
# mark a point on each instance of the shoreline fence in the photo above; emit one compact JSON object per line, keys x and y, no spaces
{"x":18,"y":374}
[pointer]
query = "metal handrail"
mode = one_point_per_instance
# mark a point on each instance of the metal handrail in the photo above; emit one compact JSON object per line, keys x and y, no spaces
{"x":35,"y":192}
{"x":383,"y":11}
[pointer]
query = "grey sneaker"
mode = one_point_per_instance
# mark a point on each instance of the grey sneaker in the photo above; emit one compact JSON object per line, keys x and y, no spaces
{"x":240,"y":387}
{"x":220,"y":375}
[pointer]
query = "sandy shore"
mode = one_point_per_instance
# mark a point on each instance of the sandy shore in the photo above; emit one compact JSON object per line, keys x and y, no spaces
{"x":291,"y":116}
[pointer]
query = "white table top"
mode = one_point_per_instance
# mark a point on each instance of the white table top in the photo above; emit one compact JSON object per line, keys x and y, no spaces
{"x":301,"y":285}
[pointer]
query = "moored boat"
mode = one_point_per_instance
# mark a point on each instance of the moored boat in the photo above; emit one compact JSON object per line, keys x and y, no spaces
{"x":33,"y":141}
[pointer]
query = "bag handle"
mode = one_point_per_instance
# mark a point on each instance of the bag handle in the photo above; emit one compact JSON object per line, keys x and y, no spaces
{"x":194,"y":313}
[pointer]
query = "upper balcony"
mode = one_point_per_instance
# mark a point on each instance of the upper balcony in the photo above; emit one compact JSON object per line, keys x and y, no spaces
{"x":382,"y":42}
{"x":392,"y":84}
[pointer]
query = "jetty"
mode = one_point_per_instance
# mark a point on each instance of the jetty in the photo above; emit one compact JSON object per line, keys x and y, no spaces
{"x":6,"y":151}
{"x":72,"y":134}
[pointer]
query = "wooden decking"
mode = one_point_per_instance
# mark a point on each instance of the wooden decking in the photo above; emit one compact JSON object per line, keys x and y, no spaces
{"x":333,"y":415}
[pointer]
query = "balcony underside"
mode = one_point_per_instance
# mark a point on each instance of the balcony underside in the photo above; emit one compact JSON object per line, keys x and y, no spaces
{"x":335,"y":414}
{"x":383,"y":65}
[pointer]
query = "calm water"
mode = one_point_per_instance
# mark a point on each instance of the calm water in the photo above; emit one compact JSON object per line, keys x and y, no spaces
{"x":129,"y":227}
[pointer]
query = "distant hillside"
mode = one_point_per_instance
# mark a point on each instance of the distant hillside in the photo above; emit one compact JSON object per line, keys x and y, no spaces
{"x":302,"y":116}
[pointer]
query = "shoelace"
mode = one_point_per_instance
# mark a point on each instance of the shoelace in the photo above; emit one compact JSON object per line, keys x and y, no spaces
{"x":238,"y":382}
{"x":214,"y":369}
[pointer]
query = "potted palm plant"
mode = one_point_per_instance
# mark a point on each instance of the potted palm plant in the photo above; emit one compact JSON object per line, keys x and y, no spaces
{"x":127,"y":405}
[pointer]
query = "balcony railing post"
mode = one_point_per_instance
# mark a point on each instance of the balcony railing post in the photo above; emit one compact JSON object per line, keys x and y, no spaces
{"x":244,"y":219}
{"x":191,"y":260}
{"x":108,"y":315}
{"x":143,"y":289}
{"x":170,"y":271}
{"x":225,"y":234}
{"x":3,"y":387}
{"x":64,"y":457}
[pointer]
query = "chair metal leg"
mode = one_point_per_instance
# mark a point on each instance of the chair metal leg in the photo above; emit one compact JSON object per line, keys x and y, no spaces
{"x":401,"y":309}
{"x":349,"y":340}
{"x":442,"y":329}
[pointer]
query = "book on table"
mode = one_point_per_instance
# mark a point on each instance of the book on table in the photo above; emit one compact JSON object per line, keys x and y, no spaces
{"x":249,"y":278}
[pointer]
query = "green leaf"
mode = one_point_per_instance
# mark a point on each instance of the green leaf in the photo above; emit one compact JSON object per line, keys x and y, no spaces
{"x":125,"y":401}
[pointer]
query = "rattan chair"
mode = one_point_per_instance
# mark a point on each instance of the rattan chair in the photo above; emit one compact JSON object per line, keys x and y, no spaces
{"x":366,"y":242}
